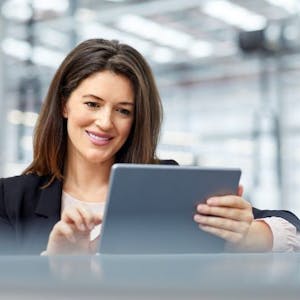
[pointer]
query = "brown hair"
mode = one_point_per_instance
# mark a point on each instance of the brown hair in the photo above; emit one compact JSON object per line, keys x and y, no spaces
{"x":89,"y":57}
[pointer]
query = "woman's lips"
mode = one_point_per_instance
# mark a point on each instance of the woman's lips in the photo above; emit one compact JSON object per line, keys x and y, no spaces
{"x":99,"y":139}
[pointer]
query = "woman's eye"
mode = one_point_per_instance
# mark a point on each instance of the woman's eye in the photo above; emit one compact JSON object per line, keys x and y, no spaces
{"x":92,"y":104}
{"x":124,"y":111}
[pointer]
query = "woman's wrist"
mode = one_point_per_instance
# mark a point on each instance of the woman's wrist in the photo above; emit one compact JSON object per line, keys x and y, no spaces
{"x":258,"y":239}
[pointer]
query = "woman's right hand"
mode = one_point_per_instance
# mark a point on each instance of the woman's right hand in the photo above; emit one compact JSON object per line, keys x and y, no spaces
{"x":71,"y":235}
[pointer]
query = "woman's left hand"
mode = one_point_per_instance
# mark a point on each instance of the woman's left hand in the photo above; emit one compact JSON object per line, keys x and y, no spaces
{"x":229,"y":217}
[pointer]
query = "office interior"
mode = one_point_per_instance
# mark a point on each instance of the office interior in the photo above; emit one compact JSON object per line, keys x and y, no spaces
{"x":227,"y":72}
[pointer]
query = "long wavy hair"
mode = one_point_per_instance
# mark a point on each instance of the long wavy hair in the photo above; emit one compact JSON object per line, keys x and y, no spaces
{"x":89,"y":57}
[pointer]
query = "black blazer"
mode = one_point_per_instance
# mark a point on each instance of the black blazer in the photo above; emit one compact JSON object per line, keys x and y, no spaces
{"x":28,"y":213}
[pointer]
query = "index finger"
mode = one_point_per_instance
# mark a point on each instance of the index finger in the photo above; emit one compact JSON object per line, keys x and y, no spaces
{"x":78,"y":215}
{"x":72,"y":216}
{"x":90,"y":218}
{"x":228,"y":201}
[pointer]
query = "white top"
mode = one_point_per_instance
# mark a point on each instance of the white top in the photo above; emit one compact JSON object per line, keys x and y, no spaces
{"x":285,"y":235}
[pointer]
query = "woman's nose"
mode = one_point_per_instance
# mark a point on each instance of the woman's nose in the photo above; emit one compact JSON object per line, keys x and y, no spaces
{"x":104,"y":120}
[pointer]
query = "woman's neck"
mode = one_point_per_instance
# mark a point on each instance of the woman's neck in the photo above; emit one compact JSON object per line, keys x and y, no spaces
{"x":87,"y":181}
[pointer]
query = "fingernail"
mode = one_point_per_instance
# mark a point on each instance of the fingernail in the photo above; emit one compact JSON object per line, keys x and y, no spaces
{"x":198,"y":218}
{"x":202,"y":219}
{"x":201,"y":207}
{"x":211,"y":201}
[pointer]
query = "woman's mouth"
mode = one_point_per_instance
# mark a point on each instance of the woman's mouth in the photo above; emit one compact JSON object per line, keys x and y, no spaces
{"x":98,"y":138}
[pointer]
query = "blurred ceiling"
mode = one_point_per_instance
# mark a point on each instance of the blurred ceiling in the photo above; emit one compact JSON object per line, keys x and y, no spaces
{"x":175,"y":35}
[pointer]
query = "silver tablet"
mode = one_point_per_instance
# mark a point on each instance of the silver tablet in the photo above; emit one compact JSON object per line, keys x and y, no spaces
{"x":150,"y":208}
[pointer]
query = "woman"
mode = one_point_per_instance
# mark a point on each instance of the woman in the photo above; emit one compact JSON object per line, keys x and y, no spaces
{"x":102,"y":107}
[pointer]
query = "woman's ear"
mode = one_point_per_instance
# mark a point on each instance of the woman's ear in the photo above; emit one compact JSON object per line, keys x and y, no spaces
{"x":64,"y":109}
{"x":65,"y":112}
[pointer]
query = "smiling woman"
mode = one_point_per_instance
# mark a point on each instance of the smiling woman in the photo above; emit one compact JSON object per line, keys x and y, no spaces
{"x":103,"y":107}
{"x":99,"y":118}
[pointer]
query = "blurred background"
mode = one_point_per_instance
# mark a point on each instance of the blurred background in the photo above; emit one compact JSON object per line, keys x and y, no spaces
{"x":227,"y":72}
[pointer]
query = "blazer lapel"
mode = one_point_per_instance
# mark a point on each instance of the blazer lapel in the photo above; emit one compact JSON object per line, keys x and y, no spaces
{"x":47,"y":214}
{"x":49,"y":204}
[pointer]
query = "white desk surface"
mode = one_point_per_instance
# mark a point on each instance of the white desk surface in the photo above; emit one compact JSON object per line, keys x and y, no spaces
{"x":201,"y":276}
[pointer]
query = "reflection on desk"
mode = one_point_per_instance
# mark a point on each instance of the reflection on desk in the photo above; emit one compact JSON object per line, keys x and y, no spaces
{"x":201,"y":276}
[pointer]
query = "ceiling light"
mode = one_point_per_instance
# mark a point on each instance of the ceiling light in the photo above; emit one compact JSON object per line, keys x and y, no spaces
{"x":167,"y":37}
{"x":53,"y":5}
{"x":291,"y":6}
{"x":26,"y":118}
{"x":39,"y":55}
{"x":234,"y":15}
{"x":201,"y":49}
{"x":22,"y":10}
{"x":154,"y":31}
{"x":15,"y":117}
{"x":16,"y":48}
{"x":17,"y":10}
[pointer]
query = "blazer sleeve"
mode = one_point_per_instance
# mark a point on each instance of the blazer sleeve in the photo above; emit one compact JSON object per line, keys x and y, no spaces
{"x":7,"y":232}
{"x":285,"y":214}
{"x":168,"y":162}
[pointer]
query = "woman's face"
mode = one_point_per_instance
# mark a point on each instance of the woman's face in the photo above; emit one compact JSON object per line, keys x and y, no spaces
{"x":99,"y":113}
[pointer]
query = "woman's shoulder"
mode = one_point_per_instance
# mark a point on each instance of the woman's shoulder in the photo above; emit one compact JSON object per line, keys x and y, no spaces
{"x":23,"y":181}
{"x":168,"y":162}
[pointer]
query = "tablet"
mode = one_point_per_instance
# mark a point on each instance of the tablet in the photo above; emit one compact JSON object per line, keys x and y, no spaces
{"x":150,"y":208}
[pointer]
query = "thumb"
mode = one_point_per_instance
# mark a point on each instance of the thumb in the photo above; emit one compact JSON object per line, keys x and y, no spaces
{"x":240,"y":191}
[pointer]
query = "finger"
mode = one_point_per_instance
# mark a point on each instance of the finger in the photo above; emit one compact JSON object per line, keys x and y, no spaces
{"x":87,"y":217}
{"x":240,"y":191}
{"x":91,"y":218}
{"x":62,"y":229}
{"x":221,"y":223}
{"x":232,"y":237}
{"x":73,"y":216}
{"x":97,"y":218}
{"x":84,"y":219}
{"x":225,"y":212}
{"x":229,"y":201}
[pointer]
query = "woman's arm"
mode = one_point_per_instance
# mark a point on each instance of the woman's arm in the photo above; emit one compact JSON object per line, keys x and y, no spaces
{"x":286,"y":238}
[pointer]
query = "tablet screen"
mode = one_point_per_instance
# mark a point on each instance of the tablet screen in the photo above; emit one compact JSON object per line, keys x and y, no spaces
{"x":150,"y":208}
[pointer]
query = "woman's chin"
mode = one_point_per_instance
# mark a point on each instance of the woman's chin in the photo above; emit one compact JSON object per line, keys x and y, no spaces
{"x":98,"y":159}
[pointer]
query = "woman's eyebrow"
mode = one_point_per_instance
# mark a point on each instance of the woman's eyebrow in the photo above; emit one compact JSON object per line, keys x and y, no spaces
{"x":93,"y":96}
{"x":101,"y":99}
{"x":126,"y":103}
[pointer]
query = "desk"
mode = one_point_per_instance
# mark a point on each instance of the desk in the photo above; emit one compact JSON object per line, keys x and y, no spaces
{"x":200,"y":276}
